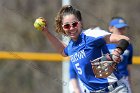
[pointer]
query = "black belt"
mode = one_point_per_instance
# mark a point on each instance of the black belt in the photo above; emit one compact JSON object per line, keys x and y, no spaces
{"x":107,"y":89}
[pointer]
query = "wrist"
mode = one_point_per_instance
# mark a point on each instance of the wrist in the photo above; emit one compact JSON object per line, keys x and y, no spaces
{"x":118,"y":50}
{"x":77,"y":90}
{"x":45,"y":29}
{"x":122,"y":45}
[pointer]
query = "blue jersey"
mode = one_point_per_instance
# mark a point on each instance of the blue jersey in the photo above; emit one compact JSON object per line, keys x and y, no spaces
{"x":126,"y":58}
{"x":86,"y":48}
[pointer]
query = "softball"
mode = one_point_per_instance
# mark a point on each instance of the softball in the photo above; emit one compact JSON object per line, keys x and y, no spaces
{"x":39,"y":23}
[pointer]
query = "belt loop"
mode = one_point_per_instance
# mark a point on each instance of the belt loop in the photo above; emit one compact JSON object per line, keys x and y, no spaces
{"x":84,"y":90}
{"x":110,"y":88}
{"x":115,"y":85}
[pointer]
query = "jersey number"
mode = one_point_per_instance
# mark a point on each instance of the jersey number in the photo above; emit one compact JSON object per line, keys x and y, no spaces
{"x":78,"y":68}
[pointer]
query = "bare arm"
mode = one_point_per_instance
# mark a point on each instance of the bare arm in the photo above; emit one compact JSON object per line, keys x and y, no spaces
{"x":121,"y":40}
{"x":114,"y":38}
{"x":59,"y":45}
{"x":75,"y":85}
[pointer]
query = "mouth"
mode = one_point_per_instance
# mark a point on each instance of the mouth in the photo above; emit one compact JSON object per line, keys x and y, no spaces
{"x":72,"y":33}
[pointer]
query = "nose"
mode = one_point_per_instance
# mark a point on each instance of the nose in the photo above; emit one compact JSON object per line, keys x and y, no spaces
{"x":71,"y":28}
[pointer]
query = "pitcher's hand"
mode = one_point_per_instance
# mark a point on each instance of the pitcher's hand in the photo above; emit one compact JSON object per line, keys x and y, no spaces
{"x":116,"y":55}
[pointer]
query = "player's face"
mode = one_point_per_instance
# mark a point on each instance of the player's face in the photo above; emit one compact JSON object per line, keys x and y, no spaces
{"x":71,"y":26}
{"x":120,"y":31}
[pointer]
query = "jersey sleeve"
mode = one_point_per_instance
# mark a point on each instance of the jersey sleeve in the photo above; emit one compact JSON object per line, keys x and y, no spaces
{"x":95,"y":42}
{"x":99,"y":42}
{"x":130,"y":55}
{"x":105,"y":49}
{"x":72,"y":72}
{"x":96,"y":32}
{"x":66,"y":51}
{"x":95,"y":36}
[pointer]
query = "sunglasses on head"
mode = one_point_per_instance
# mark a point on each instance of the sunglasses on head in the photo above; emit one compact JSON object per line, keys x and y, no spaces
{"x":68,"y":26}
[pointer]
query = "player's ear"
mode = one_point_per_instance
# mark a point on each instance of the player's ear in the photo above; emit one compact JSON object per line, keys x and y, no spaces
{"x":81,"y":24}
{"x":110,"y":29}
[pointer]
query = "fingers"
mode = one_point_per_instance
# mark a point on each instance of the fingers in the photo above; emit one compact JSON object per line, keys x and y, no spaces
{"x":116,"y":58}
{"x":43,"y":20}
{"x":40,"y":24}
{"x":44,"y":29}
{"x":116,"y":55}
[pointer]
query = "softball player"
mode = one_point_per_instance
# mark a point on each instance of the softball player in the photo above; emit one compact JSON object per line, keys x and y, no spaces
{"x":79,"y":87}
{"x":76,"y":86}
{"x":119,"y":26}
{"x":84,"y":47}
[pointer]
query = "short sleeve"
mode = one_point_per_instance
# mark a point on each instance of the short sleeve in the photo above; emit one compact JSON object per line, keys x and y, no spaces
{"x":72,"y":71}
{"x":131,"y":54}
{"x":96,"y":32}
{"x":66,"y":51}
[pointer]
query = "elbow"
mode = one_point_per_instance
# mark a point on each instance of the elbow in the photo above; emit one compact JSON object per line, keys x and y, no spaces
{"x":123,"y":44}
{"x":127,"y":38}
{"x":123,"y":37}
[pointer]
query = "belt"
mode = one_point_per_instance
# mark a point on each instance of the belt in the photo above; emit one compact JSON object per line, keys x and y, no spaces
{"x":107,"y":89}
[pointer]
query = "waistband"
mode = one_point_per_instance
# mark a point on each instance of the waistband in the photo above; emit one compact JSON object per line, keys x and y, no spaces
{"x":108,"y":89}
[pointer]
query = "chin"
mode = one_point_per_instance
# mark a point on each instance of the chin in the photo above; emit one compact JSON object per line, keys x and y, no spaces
{"x":74,"y":37}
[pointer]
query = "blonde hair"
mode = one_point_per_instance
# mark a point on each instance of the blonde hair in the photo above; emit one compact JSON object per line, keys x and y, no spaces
{"x":65,"y":10}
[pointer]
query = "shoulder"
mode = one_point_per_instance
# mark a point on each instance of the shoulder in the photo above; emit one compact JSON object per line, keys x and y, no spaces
{"x":130,"y":47}
{"x":95,"y":32}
